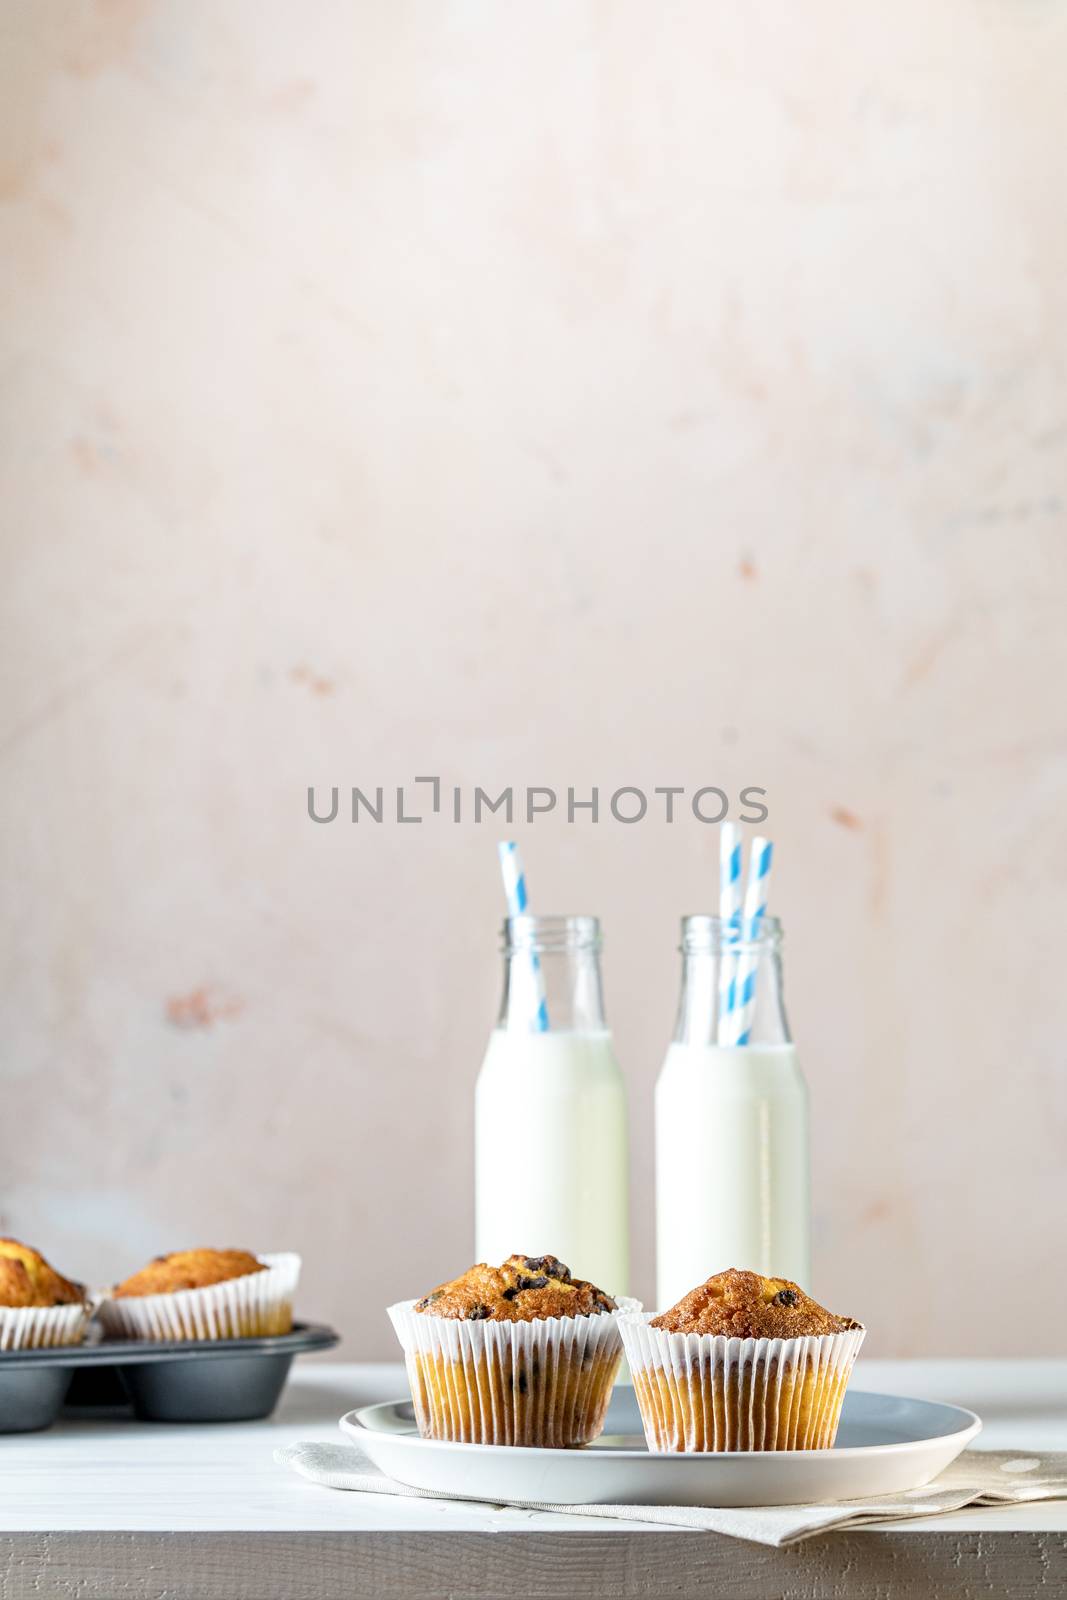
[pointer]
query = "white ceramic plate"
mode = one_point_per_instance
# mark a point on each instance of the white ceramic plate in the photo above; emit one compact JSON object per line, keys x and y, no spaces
{"x":884,"y":1444}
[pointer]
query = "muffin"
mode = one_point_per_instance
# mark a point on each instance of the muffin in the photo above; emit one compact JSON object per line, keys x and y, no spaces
{"x":743,"y":1362}
{"x":204,"y":1294}
{"x":38,"y":1306}
{"x":521,"y":1354}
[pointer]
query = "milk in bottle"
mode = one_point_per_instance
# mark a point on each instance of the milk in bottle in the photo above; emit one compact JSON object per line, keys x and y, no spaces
{"x":551,"y":1147}
{"x":732,"y":1161}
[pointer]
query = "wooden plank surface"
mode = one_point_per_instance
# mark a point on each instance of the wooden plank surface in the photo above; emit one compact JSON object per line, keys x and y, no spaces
{"x":117,"y":1510}
{"x":527,"y":1566}
{"x":128,"y":1477}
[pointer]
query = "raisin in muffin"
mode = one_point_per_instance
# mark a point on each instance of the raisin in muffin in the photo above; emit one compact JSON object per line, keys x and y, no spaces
{"x":524,"y":1289}
{"x":742,"y":1362}
{"x":38,"y":1306}
{"x":523,"y":1353}
{"x":204,"y":1294}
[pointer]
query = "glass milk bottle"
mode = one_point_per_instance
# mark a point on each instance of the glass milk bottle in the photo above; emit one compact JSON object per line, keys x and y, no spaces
{"x":732,"y":1161}
{"x":550,"y":1133}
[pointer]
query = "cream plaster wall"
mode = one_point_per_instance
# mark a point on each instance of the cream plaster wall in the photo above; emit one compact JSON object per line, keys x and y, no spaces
{"x":575,"y":393}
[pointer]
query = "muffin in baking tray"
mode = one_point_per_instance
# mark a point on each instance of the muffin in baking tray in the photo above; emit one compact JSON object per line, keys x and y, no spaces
{"x":204,"y":1294}
{"x":520,"y":1354}
{"x":188,"y":1269}
{"x":742,"y":1362}
{"x":38,"y":1306}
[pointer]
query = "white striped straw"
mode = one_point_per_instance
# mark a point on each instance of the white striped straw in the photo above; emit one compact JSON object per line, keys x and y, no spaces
{"x":759,"y":872}
{"x":730,"y":924}
{"x":515,"y":891}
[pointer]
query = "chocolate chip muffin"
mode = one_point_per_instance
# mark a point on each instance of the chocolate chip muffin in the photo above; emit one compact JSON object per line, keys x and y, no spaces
{"x":520,"y":1354}
{"x":524,"y":1289}
{"x":188,"y":1269}
{"x":204,"y":1294}
{"x":743,"y":1362}
{"x":744,"y":1305}
{"x":38,"y":1306}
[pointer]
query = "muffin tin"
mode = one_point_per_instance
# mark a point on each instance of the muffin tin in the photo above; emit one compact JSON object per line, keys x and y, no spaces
{"x":189,"y":1380}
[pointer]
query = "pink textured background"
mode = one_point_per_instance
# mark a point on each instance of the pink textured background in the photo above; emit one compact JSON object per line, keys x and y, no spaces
{"x":537,"y":394}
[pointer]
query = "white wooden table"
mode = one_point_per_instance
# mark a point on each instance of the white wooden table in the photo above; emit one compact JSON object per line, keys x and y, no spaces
{"x":106,"y":1508}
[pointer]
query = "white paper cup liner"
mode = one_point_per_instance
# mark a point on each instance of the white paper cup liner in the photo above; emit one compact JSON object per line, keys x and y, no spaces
{"x":544,"y":1382}
{"x":707,"y":1392}
{"x":41,"y":1327}
{"x":254,"y":1305}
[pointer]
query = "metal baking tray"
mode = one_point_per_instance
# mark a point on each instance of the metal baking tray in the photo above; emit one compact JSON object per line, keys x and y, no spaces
{"x":186,"y":1380}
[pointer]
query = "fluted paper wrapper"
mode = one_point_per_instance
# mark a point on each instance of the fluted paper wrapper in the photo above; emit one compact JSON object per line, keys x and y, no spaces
{"x":42,"y":1327}
{"x":252,"y":1306}
{"x":545,"y":1382}
{"x":707,"y":1392}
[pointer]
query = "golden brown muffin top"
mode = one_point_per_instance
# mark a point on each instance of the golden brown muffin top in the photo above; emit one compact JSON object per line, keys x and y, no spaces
{"x":188,"y":1269}
{"x":26,"y":1279}
{"x":744,"y":1305}
{"x":524,"y":1289}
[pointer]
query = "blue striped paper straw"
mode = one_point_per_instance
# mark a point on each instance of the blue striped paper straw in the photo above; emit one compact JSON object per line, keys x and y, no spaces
{"x":515,"y":890}
{"x":759,"y":872}
{"x":730,"y":920}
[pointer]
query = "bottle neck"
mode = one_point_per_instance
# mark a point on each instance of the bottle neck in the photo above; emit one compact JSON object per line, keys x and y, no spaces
{"x":552,"y":975}
{"x":731,"y":987}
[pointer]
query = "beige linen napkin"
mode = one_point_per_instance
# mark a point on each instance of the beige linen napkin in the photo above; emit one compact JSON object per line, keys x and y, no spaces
{"x":976,"y":1478}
